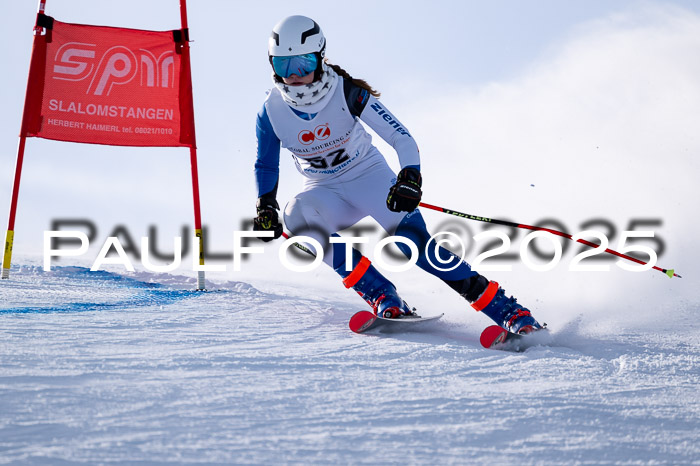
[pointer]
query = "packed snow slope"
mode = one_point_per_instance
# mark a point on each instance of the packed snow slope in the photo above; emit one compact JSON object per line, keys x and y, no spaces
{"x":105,"y":367}
{"x":599,"y":132}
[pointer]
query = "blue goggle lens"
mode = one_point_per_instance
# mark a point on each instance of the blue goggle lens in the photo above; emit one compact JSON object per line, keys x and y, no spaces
{"x":301,"y":65}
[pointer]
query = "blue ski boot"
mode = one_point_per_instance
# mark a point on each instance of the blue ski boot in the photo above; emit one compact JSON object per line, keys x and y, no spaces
{"x":506,"y":312}
{"x":377,"y":290}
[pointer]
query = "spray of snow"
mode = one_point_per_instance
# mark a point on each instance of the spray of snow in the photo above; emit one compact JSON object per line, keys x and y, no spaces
{"x":135,"y":367}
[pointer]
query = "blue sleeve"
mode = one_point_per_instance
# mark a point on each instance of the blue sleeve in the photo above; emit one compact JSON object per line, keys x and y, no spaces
{"x":267,"y":165}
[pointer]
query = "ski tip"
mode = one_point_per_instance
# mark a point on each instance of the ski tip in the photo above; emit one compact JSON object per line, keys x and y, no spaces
{"x":360,"y":321}
{"x":492,"y":336}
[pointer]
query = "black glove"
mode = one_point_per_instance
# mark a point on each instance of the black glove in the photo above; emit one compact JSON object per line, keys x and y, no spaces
{"x":267,"y":219}
{"x":405,"y":195}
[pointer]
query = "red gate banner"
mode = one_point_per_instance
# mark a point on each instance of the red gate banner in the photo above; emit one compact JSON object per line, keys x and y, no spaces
{"x":105,"y":85}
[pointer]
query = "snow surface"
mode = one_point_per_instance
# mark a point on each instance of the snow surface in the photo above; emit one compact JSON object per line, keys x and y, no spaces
{"x":136,"y":368}
{"x":105,"y":367}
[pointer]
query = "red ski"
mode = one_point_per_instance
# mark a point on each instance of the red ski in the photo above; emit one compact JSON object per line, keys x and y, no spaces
{"x":495,"y":337}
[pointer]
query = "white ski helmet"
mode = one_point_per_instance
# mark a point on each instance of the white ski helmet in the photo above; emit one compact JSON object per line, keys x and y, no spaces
{"x":296,"y":35}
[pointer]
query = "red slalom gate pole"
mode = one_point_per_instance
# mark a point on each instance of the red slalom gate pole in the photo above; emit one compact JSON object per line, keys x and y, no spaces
{"x":670,"y":272}
{"x":201,"y":283}
{"x":10,"y":234}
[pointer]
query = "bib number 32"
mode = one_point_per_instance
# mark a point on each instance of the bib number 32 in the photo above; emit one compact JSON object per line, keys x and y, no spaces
{"x":333,"y":159}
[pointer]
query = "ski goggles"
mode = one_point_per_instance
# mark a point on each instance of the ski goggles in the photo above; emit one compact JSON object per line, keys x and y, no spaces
{"x":301,"y":65}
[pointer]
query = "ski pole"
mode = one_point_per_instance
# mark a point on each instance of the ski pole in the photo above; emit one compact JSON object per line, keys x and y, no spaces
{"x":670,"y":272}
{"x":299,"y":246}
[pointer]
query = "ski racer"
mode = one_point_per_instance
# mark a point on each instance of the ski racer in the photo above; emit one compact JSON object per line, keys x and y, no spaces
{"x":314,"y":111}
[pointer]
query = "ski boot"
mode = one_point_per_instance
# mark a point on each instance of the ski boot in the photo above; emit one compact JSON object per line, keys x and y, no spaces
{"x":505,"y":311}
{"x":377,"y":290}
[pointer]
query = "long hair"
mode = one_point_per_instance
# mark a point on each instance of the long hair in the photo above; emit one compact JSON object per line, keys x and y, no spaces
{"x":358,"y":82}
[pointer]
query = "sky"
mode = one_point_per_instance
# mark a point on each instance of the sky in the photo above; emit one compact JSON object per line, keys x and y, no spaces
{"x":572,"y":111}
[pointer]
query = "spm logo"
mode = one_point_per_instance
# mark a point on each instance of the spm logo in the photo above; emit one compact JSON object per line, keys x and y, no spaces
{"x":321,"y":133}
{"x":118,"y":65}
